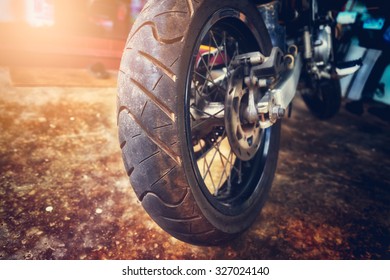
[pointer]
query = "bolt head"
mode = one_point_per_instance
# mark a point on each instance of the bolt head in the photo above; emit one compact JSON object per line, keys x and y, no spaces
{"x":278,"y":112}
{"x":281,"y":112}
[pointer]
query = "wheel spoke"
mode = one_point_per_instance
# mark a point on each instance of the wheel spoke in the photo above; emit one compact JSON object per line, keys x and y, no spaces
{"x":219,"y":167}
{"x":212,"y":117}
{"x":206,"y":172}
{"x":201,"y":91}
{"x":225,"y":58}
{"x":225,"y":163}
{"x":232,"y":163}
{"x":206,"y":81}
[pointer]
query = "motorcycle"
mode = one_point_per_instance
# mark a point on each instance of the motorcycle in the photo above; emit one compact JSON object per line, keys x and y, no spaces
{"x":202,"y":88}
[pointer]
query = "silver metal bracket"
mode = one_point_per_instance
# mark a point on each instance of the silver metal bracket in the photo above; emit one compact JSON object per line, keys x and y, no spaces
{"x":274,"y":104}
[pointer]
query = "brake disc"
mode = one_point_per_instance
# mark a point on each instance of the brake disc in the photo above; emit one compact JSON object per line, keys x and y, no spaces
{"x":244,"y":136}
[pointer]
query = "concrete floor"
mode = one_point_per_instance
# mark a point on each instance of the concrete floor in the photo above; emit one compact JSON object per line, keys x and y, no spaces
{"x":65,"y":195}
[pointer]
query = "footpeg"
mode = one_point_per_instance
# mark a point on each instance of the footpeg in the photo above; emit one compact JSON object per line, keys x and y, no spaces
{"x":348,"y":68}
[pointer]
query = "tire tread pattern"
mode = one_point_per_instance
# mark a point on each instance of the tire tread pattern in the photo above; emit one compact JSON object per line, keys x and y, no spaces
{"x":147,"y":121}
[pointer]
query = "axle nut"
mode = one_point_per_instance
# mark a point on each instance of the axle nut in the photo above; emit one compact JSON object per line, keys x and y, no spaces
{"x":278,"y":112}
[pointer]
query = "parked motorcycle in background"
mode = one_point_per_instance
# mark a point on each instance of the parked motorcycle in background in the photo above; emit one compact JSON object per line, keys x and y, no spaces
{"x":202,"y":87}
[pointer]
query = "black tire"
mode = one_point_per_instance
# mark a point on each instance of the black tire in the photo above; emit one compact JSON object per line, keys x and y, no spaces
{"x":154,"y":122}
{"x":322,"y":97}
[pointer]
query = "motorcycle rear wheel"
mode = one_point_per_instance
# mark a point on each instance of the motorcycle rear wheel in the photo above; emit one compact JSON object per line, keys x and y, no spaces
{"x":183,"y":169}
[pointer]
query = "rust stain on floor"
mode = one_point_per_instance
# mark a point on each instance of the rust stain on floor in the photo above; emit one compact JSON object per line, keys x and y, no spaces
{"x":64,"y":193}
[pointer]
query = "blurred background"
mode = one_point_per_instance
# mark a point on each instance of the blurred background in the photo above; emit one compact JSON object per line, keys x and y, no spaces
{"x":65,"y":33}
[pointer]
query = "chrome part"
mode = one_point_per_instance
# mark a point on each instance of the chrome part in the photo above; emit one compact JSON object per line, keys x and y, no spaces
{"x":308,"y":52}
{"x":321,"y":53}
{"x":323,"y":46}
